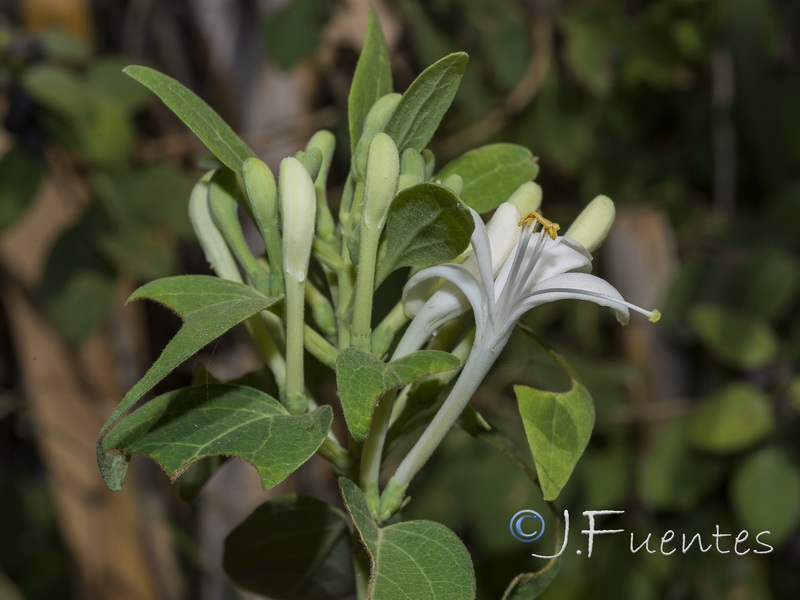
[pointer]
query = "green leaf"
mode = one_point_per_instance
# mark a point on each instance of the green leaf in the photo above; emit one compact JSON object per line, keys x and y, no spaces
{"x":107,"y":78}
{"x":371,"y":80}
{"x":765,"y":493}
{"x":425,"y":102}
{"x":154,"y":196}
{"x":735,"y":417}
{"x":527,"y":586}
{"x":139,"y":252}
{"x":196,"y":114}
{"x":422,"y":560}
{"x":362,"y":378}
{"x":558,"y":427}
{"x":182,"y":426}
{"x":292,"y":548}
{"x":59,"y":90}
{"x":491,"y":174}
{"x":20,"y":174}
{"x":426,"y":225}
{"x":77,"y":288}
{"x":672,"y":475}
{"x":107,"y":137}
{"x":738,"y":340}
{"x":292,"y":33}
{"x":209,"y":307}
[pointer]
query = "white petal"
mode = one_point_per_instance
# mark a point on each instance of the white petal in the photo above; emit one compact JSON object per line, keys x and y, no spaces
{"x":575,"y":286}
{"x":464,"y":282}
{"x":483,"y":254}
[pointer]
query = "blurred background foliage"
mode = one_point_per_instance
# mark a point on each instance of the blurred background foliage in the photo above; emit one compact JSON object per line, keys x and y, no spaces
{"x":683,"y":111}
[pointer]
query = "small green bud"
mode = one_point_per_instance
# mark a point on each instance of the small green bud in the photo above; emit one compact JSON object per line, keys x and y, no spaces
{"x":383,"y":168}
{"x":527,"y":198}
{"x":311,"y":159}
{"x":412,"y":169}
{"x":593,"y":224}
{"x":298,"y":208}
{"x":216,"y":251}
{"x":377,"y":118}
{"x":224,"y":212}
{"x":430,"y":162}
{"x":262,"y":196}
{"x":454,"y":183}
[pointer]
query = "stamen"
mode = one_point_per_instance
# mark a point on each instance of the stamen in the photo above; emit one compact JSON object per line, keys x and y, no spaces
{"x":532,"y":218}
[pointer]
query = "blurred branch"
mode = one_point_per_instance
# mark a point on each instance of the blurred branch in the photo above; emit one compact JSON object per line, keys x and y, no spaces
{"x":519,"y":98}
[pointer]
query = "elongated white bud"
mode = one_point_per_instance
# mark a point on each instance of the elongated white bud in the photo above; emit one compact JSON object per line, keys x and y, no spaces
{"x":527,"y":198}
{"x":593,"y":224}
{"x":298,"y":209}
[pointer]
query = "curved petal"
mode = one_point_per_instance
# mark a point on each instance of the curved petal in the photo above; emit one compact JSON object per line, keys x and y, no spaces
{"x":483,"y":255}
{"x":464,"y":281}
{"x":575,"y":286}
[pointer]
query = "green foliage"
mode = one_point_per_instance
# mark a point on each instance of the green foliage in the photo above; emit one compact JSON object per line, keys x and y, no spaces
{"x":362,"y":379}
{"x":735,"y":417}
{"x":558,"y":427}
{"x":292,"y":33}
{"x":209,"y":307}
{"x":765,"y":493}
{"x":425,"y":102}
{"x":372,"y":79}
{"x":292,"y":548}
{"x":672,"y":475}
{"x":491,"y":174}
{"x":78,"y":282}
{"x":414,"y":559}
{"x":427,"y":224}
{"x":739,"y":340}
{"x":198,"y":116}
{"x":20,"y":176}
{"x":183,"y":426}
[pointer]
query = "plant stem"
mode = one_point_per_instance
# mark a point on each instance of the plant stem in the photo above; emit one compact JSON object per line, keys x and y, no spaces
{"x":295,"y":397}
{"x":475,"y":369}
{"x":365,"y":283}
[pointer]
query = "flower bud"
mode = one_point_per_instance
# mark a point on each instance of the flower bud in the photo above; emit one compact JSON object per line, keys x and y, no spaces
{"x":593,"y":224}
{"x":377,"y":118}
{"x":383,"y":168}
{"x":298,"y":208}
{"x":412,"y":169}
{"x":527,"y":198}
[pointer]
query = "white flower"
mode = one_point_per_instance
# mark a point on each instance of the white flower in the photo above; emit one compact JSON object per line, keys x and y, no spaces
{"x":542,"y":267}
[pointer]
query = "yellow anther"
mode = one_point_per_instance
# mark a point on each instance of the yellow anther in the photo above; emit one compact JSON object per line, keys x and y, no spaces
{"x":532,"y":218}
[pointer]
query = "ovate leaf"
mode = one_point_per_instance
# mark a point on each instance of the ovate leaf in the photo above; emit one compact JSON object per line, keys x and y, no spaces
{"x":739,"y":340}
{"x":558,"y":427}
{"x":59,"y":90}
{"x":427,"y":225}
{"x":735,"y":417}
{"x":422,"y":560}
{"x":672,"y":475}
{"x":209,"y":307}
{"x":196,"y":114}
{"x":371,"y":80}
{"x":20,"y":174}
{"x":425,"y":102}
{"x":77,"y":288}
{"x":180,"y":427}
{"x":765,"y":492}
{"x":491,"y":174}
{"x":362,"y":378}
{"x":292,"y":548}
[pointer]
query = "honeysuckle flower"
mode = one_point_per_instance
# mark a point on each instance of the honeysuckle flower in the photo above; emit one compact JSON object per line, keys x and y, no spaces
{"x":542,"y":267}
